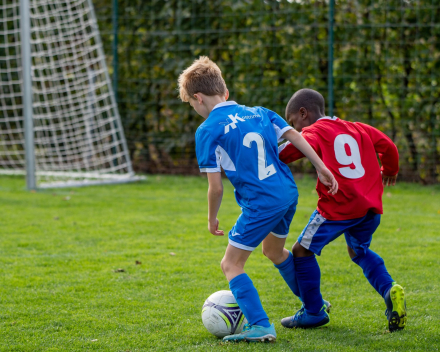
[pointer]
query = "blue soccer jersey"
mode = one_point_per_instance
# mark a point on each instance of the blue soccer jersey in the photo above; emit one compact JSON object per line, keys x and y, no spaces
{"x":244,"y":142}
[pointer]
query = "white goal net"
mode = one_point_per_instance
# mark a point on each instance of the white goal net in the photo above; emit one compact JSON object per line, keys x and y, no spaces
{"x":78,"y":136}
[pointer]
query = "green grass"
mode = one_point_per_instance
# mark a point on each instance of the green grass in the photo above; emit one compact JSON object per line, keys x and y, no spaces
{"x":59,"y":251}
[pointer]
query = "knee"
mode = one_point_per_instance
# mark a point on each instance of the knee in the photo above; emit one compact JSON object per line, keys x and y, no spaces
{"x":223,"y":265}
{"x":226,"y":266}
{"x":351,"y":252}
{"x":273,"y":255}
{"x":299,"y":251}
{"x":367,"y":259}
{"x":266,"y":252}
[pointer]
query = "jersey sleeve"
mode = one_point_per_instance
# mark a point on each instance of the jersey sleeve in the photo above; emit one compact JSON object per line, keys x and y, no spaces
{"x":289,"y":153}
{"x":384,"y":146}
{"x":206,"y":151}
{"x":279,"y":124}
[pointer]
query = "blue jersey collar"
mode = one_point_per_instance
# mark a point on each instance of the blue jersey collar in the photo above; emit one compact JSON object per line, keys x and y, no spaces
{"x":225,"y":103}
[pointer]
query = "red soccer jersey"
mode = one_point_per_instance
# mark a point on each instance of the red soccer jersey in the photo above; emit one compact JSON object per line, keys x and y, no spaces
{"x":349,"y":150}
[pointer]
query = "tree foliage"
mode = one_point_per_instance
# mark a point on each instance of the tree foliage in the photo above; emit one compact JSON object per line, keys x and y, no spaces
{"x":386,"y":68}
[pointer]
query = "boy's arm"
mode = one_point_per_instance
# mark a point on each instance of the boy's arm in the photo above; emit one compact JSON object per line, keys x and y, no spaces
{"x":388,"y":154}
{"x":209,"y":162}
{"x":324,"y":174}
{"x":289,"y":153}
{"x":215,"y":195}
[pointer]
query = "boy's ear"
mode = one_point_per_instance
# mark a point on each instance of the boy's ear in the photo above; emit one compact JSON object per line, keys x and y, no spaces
{"x":199,"y":98}
{"x":303,"y":113}
{"x":227,"y":94}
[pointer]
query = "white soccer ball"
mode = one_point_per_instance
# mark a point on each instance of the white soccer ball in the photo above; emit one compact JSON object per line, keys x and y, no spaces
{"x":221,"y":314}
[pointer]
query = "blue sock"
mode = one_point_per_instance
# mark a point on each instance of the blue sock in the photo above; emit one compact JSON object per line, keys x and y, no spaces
{"x":375,"y":271}
{"x":308,"y":275}
{"x":287,"y":271}
{"x":248,"y":300}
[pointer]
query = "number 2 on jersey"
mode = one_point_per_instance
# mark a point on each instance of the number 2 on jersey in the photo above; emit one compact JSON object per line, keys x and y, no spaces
{"x":344,"y":159}
{"x":263,"y":170}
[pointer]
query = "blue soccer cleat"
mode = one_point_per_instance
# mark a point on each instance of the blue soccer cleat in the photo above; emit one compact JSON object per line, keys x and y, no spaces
{"x":303,"y":320}
{"x":327,"y":304}
{"x":254,"y":333}
{"x":396,"y":307}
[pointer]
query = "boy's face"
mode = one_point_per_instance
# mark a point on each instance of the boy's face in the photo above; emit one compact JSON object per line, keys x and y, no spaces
{"x":298,"y":120}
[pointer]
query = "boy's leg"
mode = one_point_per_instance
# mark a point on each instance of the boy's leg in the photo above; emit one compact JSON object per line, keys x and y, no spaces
{"x":308,"y":275}
{"x":242,"y":287}
{"x":315,"y":236}
{"x":273,"y":248}
{"x":358,"y":238}
{"x":358,"y":241}
{"x":374,"y":269}
{"x":246,"y":295}
{"x":249,"y":231}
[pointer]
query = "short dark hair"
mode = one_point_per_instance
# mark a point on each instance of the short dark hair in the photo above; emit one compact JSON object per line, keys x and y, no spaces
{"x":307,"y":98}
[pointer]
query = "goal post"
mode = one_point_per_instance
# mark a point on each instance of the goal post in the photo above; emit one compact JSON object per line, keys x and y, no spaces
{"x":27,"y":94}
{"x":59,"y":121}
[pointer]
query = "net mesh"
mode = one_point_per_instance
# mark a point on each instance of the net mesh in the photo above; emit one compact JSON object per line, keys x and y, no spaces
{"x":77,"y":130}
{"x":11,"y":120}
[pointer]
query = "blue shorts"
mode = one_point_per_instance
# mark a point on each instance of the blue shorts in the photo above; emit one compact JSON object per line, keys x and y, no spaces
{"x":252,"y":228}
{"x":358,"y":232}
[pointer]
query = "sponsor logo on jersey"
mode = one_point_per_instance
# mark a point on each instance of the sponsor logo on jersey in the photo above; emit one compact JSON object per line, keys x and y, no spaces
{"x":231,"y":121}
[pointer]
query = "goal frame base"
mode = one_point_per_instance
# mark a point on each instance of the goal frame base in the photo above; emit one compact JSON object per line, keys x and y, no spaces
{"x":90,"y":179}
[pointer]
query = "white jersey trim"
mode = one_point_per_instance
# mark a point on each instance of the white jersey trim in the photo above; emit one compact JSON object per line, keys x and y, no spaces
{"x":279,"y":132}
{"x":225,"y":103}
{"x":310,"y":230}
{"x":241,"y":246}
{"x":334,"y":118}
{"x":278,"y":235}
{"x":224,"y":160}
{"x":206,"y":169}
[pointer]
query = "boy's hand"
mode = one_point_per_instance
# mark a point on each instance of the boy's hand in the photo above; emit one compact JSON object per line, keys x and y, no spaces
{"x":327,"y":178}
{"x":389,"y":180}
{"x":213,"y":228}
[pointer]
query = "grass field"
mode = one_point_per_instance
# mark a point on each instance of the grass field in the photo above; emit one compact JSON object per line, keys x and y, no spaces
{"x":61,"y":288}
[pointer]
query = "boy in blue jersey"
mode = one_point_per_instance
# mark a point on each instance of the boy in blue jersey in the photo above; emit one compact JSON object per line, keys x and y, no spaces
{"x":244,"y":142}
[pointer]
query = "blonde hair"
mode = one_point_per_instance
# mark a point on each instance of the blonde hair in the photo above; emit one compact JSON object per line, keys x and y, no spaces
{"x":203,"y":76}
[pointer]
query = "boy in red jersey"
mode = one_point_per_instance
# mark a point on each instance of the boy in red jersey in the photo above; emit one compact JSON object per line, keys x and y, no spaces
{"x":349,"y":151}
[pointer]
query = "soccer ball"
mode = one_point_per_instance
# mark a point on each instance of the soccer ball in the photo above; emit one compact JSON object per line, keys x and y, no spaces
{"x":221,"y":314}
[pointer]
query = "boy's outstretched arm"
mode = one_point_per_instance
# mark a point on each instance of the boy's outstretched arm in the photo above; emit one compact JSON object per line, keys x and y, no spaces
{"x":324,"y":174}
{"x":215,"y":195}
